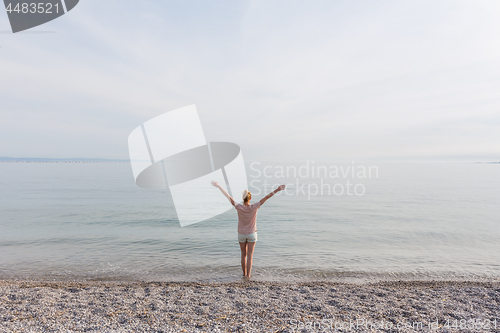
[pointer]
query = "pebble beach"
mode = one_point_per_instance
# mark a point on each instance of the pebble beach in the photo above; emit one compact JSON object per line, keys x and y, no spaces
{"x":249,"y":306}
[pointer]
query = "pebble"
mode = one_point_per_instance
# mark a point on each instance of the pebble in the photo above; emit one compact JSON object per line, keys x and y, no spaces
{"x":249,"y":306}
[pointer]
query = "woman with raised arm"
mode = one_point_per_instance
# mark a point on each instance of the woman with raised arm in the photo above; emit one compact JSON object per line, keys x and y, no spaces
{"x":247,"y":224}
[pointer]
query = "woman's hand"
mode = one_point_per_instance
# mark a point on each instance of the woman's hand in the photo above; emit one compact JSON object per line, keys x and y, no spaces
{"x":279,"y":188}
{"x":214,"y":183}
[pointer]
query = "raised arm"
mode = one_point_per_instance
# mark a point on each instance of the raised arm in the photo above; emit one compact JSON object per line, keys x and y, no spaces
{"x":231,"y":200}
{"x":280,"y":188}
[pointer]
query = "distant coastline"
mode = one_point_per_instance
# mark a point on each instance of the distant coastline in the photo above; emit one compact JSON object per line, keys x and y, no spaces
{"x":109,"y":160}
{"x":59,"y":160}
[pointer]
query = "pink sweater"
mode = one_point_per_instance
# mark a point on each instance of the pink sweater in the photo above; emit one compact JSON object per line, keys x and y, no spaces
{"x":247,"y":218}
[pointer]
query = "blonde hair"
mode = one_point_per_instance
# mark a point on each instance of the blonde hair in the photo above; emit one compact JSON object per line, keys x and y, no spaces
{"x":246,"y":196}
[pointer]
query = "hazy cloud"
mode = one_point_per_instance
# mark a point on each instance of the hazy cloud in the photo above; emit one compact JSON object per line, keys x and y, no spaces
{"x":283,"y":79}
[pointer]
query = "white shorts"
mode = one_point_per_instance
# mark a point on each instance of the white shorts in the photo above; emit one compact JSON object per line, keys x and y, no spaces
{"x":251,"y":238}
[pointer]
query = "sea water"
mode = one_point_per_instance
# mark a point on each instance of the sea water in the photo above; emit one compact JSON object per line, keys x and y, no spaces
{"x":89,"y":221}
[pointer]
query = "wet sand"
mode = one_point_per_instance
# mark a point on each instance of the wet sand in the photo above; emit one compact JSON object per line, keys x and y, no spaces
{"x":28,"y":306}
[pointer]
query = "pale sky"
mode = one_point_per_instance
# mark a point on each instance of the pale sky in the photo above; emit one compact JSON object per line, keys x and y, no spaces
{"x":402,"y":80}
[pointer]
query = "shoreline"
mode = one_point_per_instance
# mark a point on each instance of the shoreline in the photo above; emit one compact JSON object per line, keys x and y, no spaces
{"x":247,"y":306}
{"x":32,"y":283}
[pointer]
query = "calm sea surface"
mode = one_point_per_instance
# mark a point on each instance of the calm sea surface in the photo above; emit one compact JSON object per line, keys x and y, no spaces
{"x":90,"y":221}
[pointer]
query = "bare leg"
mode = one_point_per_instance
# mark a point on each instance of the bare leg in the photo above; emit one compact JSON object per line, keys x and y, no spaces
{"x":243,"y":248}
{"x":250,"y":248}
